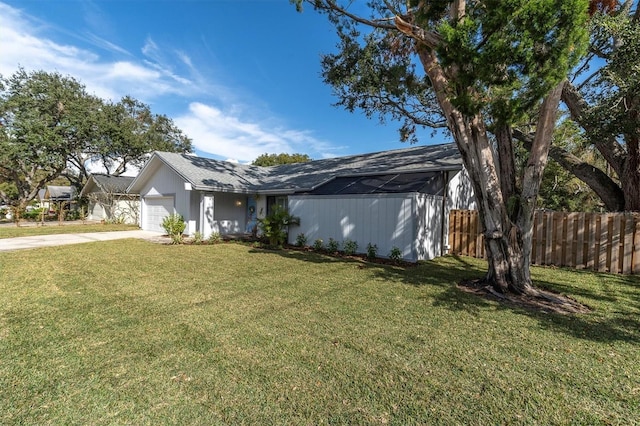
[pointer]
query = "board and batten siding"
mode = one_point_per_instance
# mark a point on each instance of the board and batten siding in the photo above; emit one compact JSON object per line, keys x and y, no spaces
{"x":387,"y":220}
{"x":229,"y":213}
{"x":166,"y":183}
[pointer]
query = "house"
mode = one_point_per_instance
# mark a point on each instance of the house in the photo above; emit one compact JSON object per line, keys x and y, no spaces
{"x":108,"y":199}
{"x":398,"y":198}
{"x":57,"y":198}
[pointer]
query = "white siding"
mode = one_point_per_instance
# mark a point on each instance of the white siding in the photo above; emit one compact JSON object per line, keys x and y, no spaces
{"x":96,"y":211}
{"x":164,"y":182}
{"x":127,"y":210}
{"x":428,"y":214}
{"x":386,"y":220}
{"x":230,"y":213}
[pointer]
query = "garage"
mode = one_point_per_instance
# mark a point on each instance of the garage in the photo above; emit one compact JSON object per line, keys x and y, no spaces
{"x":155,"y":210}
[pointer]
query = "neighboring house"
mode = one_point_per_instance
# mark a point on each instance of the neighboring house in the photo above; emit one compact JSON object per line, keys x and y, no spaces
{"x":108,"y":199}
{"x":56,"y":197}
{"x":399,"y":198}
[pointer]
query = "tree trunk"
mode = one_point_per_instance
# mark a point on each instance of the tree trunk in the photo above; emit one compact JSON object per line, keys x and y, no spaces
{"x":630,"y":177}
{"x":507,"y":231}
{"x":507,"y":254}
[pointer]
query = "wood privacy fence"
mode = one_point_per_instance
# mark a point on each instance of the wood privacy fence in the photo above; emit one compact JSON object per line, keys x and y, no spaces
{"x":608,"y":242}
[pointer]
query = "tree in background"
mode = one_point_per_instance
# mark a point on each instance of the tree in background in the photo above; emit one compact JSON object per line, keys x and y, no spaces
{"x":42,"y":120}
{"x":603,"y":100}
{"x":561,"y":190}
{"x":477,"y":68}
{"x":606,"y":103}
{"x":124,"y":134}
{"x":51,"y":127}
{"x":267,"y":160}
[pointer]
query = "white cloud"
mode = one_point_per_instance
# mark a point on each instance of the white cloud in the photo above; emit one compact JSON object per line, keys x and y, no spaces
{"x":227,"y":135}
{"x":235,"y":130}
{"x":25,"y":43}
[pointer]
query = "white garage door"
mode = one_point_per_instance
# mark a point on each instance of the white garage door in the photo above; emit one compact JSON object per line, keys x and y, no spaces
{"x":155,"y":210}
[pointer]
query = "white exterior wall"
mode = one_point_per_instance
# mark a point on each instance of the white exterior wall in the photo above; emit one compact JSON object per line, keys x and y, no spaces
{"x":125,"y":209}
{"x":166,"y":183}
{"x":428,"y":225}
{"x":386,"y":220}
{"x":229,"y":213}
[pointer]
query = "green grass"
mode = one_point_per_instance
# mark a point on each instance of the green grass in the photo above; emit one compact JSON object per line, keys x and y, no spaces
{"x":131,"y":332}
{"x":8,"y":231}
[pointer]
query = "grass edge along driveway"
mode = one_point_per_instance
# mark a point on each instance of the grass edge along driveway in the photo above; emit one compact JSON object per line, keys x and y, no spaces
{"x":132,"y":332}
{"x":30,"y":229}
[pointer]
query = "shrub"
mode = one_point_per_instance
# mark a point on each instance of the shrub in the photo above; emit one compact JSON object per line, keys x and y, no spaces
{"x":33,"y":214}
{"x":174,"y":225}
{"x":349,"y":247}
{"x":395,"y":254}
{"x":72,"y":215}
{"x":275,"y":226}
{"x":318,"y":245}
{"x":372,"y":251}
{"x":197,"y":237}
{"x":301,"y":240}
{"x":333,"y":245}
{"x":215,"y":238}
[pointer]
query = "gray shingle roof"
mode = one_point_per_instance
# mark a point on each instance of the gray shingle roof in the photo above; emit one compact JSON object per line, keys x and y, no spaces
{"x":59,"y":193}
{"x":209,"y":174}
{"x":113,"y":184}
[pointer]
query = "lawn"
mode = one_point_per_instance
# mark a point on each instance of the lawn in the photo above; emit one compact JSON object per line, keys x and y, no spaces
{"x":131,"y":332}
{"x":11,"y":231}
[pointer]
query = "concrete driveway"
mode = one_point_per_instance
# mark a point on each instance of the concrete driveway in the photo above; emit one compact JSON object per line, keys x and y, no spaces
{"x":20,"y":243}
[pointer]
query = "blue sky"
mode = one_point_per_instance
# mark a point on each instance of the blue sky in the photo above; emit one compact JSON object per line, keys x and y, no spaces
{"x":240,"y":77}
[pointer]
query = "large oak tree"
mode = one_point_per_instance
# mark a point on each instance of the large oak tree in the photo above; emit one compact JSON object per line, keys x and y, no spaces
{"x":50,"y":127}
{"x":42,"y":121}
{"x":476,"y":67}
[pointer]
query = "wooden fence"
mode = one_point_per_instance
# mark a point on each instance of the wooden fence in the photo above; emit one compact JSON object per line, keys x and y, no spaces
{"x":608,"y":242}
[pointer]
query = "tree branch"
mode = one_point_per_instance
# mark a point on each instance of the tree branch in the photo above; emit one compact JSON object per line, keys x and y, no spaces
{"x":611,"y":150}
{"x":596,"y":179}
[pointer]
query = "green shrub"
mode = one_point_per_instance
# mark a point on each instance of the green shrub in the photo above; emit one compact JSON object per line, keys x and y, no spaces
{"x":174,"y":225}
{"x":215,"y":238}
{"x":33,"y":214}
{"x":372,"y":251}
{"x":395,"y":254}
{"x":333,"y":245}
{"x":275,"y":226}
{"x":349,"y":247}
{"x":318,"y":245}
{"x":301,"y":240}
{"x":197,"y":237}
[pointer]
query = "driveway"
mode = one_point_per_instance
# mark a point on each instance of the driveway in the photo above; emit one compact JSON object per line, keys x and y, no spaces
{"x":20,"y":243}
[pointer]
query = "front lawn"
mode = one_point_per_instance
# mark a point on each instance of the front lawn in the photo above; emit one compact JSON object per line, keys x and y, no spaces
{"x":28,"y":230}
{"x":131,"y":332}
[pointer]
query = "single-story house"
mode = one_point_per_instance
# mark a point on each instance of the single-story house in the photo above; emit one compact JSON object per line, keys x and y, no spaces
{"x":398,"y":198}
{"x":57,"y":197}
{"x":109,"y":200}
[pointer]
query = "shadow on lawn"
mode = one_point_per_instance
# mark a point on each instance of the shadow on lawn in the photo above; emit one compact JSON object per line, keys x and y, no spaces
{"x":620,"y":324}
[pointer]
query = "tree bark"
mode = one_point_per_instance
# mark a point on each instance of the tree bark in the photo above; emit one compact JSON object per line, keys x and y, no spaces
{"x":505,"y":241}
{"x":630,"y":176}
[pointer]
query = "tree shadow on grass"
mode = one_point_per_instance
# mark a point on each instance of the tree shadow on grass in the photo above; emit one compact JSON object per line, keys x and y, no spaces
{"x":621,"y":324}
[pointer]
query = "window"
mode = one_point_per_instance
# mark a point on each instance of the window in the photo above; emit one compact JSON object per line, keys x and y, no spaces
{"x":279,"y":200}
